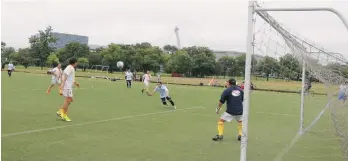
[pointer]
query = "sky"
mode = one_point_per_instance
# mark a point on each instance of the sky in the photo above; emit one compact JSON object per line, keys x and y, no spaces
{"x":219,"y":25}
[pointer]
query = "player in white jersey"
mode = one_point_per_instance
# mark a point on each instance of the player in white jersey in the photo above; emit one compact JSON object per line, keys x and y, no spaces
{"x":10,"y":69}
{"x":146,"y":80}
{"x":68,"y":81}
{"x":164,"y":94}
{"x":56,"y":73}
{"x":129,"y":78}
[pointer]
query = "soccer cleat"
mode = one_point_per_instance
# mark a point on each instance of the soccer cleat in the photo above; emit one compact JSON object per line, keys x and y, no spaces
{"x":48,"y":91}
{"x":174,"y":107}
{"x":142,"y":91}
{"x":239,"y":138}
{"x":218,"y":137}
{"x":66,"y":118}
{"x":59,"y":114}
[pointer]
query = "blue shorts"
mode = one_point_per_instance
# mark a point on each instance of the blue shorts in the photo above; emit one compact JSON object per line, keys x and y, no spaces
{"x":342,"y":96}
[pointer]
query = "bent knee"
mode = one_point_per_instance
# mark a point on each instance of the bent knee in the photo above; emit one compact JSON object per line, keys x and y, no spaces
{"x":221,"y":121}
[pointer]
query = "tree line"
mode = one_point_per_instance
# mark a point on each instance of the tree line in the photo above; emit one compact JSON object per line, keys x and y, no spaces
{"x":194,"y":61}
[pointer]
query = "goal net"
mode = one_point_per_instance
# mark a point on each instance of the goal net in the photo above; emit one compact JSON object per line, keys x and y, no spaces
{"x":99,"y":71}
{"x":280,"y":60}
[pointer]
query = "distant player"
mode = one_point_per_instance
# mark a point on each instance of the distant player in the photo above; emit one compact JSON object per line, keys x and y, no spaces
{"x":164,"y":94}
{"x":129,"y":78}
{"x":56,"y":73}
{"x":234,"y":97}
{"x":10,"y":69}
{"x":146,"y":80}
{"x":342,"y":96}
{"x":68,"y":81}
{"x":308,"y":85}
{"x":158,"y":77}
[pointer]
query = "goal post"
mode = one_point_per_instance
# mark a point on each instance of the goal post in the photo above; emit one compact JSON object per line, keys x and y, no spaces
{"x":296,"y":46}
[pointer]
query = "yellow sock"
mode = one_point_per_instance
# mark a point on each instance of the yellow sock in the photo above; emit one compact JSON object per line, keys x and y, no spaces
{"x":61,"y":111}
{"x":240,"y":126}
{"x":220,"y":128}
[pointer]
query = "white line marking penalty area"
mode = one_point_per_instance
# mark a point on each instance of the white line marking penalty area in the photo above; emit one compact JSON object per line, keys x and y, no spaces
{"x":93,"y":122}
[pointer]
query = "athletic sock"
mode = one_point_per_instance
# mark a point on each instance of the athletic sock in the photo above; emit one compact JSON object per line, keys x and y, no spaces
{"x":220,"y":128}
{"x":171,"y":102}
{"x":240,"y":126}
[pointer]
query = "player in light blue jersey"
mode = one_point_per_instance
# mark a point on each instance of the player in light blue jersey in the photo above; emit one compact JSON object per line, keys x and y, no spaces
{"x":164,"y":94}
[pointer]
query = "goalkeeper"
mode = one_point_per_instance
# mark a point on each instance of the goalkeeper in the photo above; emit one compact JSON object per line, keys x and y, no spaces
{"x":234,"y":108}
{"x":164,"y":94}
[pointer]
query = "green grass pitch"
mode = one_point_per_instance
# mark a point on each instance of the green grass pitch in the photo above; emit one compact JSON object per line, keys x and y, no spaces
{"x":111,"y":122}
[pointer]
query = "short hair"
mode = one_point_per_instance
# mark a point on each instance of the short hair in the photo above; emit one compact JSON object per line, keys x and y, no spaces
{"x":55,"y":64}
{"x":72,"y":61}
{"x":232,"y":81}
{"x":159,"y":82}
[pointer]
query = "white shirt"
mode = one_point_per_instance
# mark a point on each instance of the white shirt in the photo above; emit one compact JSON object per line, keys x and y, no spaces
{"x":162,"y":90}
{"x":343,"y":88}
{"x":69,"y":72}
{"x":10,"y":66}
{"x":129,"y":75}
{"x":56,"y":72}
{"x":147,"y":77}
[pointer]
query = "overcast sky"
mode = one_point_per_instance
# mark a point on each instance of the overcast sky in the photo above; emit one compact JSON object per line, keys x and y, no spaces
{"x":220,"y":25}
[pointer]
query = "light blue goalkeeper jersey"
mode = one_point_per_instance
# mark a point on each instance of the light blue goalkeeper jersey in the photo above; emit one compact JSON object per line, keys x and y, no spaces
{"x":162,"y":90}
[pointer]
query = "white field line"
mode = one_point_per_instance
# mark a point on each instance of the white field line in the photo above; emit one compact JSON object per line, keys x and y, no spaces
{"x":93,"y":122}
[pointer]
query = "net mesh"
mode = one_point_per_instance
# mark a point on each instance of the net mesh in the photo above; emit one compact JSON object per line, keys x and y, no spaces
{"x":280,"y":54}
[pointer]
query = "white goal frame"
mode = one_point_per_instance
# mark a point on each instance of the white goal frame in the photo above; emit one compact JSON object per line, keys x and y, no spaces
{"x":95,"y":70}
{"x":252,"y":9}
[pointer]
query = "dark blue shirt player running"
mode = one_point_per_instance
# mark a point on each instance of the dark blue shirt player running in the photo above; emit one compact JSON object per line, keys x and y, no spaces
{"x":233,"y":95}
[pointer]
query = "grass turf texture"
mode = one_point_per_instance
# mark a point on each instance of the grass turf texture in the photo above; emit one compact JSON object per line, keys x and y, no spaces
{"x":272,"y":84}
{"x":142,"y":129}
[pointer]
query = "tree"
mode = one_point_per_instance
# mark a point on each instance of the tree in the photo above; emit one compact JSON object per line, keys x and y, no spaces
{"x":40,"y":45}
{"x":170,"y":49}
{"x":25,"y":57}
{"x":147,"y":57}
{"x":111,"y":55}
{"x":5,"y":54}
{"x":268,"y":66}
{"x":94,"y":59}
{"x":289,"y":67}
{"x":228,"y":66}
{"x":52,"y":59}
{"x":180,"y":62}
{"x":74,"y":49}
{"x":83,"y":62}
{"x":203,"y":60}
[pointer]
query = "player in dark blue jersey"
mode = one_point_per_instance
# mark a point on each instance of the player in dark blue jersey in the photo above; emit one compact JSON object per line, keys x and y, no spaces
{"x":234,"y":96}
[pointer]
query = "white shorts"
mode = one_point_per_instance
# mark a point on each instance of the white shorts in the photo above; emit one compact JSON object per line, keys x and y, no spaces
{"x":55,"y":81}
{"x":68,"y":93}
{"x":228,"y":117}
{"x":146,"y":84}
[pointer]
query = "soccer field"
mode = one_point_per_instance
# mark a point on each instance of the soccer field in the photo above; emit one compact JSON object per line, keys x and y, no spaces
{"x":111,"y":122}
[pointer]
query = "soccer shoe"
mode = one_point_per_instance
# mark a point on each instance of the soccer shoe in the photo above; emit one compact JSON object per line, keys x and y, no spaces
{"x":59,"y":114}
{"x":218,"y":137}
{"x":174,"y":107}
{"x":66,"y":118}
{"x":48,"y":91}
{"x":239,"y":138}
{"x":142,"y":91}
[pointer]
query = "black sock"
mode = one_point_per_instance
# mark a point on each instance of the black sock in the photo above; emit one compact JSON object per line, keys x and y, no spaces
{"x":164,"y":103}
{"x":171,"y":102}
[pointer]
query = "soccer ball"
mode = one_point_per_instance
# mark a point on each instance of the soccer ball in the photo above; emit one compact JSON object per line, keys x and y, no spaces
{"x":120,"y":64}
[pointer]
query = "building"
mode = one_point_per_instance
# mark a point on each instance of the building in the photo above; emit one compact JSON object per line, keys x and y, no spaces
{"x":219,"y":54}
{"x":63,"y":39}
